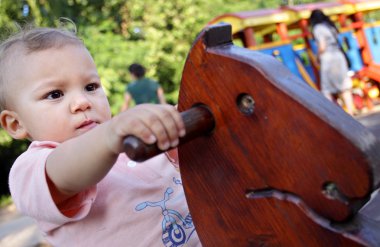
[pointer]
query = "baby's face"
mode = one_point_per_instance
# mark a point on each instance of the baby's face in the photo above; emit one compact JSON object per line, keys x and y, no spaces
{"x":57,"y":93}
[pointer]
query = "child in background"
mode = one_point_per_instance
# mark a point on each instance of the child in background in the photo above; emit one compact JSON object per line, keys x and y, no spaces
{"x":74,"y":179}
{"x":142,"y":89}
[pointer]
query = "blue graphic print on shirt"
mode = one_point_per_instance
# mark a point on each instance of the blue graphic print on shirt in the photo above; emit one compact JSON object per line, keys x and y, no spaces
{"x":176,"y":229}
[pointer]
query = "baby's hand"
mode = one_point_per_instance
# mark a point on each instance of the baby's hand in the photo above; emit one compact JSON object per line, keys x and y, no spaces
{"x":151,"y":123}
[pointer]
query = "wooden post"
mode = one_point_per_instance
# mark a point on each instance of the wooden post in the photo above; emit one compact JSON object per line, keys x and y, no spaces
{"x":249,"y":38}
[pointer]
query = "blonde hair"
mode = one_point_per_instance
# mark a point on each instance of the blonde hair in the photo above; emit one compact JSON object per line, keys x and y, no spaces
{"x":29,"y":41}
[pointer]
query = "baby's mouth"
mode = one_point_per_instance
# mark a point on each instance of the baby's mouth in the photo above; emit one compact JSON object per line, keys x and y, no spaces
{"x":87,"y":124}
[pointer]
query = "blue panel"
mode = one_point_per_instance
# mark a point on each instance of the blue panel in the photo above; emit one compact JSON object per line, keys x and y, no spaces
{"x":304,"y":58}
{"x":349,"y":42}
{"x":286,"y":55}
{"x":373,"y":38}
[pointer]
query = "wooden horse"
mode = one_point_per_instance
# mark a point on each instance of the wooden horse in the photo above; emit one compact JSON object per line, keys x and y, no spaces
{"x":275,"y":163}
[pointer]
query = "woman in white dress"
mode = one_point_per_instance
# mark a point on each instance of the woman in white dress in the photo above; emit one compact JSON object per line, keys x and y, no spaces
{"x":333,"y":64}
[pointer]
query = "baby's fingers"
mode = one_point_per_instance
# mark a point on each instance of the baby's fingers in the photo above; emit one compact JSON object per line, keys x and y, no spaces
{"x":152,"y":123}
{"x":173,"y":113}
{"x":139,"y":128}
{"x":167,"y":125}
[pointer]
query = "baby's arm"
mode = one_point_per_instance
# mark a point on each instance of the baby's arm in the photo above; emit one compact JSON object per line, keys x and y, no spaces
{"x":83,"y":161}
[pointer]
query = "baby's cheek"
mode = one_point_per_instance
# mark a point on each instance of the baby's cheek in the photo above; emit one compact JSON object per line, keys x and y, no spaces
{"x":106,"y":110}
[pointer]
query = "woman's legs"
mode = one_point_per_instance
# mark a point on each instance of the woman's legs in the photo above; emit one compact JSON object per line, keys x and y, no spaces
{"x":348,"y":101}
{"x":329,"y":96}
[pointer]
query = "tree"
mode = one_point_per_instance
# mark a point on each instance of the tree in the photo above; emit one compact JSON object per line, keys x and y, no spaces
{"x":168,"y":28}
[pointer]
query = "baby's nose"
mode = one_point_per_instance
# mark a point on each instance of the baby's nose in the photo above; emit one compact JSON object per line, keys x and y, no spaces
{"x":80,"y":103}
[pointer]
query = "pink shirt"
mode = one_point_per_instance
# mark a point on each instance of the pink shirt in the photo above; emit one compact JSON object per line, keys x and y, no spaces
{"x":136,"y":204}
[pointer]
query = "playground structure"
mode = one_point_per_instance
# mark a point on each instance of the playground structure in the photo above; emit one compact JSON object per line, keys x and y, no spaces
{"x":284,"y":33}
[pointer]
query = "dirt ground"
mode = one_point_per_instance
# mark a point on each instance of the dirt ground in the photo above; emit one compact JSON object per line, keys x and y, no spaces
{"x":18,"y":231}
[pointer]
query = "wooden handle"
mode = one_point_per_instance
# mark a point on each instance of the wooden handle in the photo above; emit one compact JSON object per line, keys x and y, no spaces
{"x":198,"y":121}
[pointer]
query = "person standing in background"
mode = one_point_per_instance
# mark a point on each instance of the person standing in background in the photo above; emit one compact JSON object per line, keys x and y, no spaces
{"x":142,"y":89}
{"x":333,"y":64}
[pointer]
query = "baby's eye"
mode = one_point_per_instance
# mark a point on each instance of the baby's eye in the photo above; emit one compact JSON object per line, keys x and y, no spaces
{"x":92,"y":87}
{"x":54,"y":94}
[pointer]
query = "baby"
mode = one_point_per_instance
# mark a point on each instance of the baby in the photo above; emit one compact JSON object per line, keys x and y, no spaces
{"x":74,"y":179}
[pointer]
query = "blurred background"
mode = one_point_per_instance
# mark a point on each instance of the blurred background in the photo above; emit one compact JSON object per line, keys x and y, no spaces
{"x":155,"y":33}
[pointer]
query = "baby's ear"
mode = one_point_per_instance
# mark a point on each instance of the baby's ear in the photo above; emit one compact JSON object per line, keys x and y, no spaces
{"x":11,"y":123}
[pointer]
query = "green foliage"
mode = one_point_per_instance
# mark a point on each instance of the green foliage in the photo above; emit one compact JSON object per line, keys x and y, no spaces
{"x":5,"y":139}
{"x":5,"y":200}
{"x":169,"y":28}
